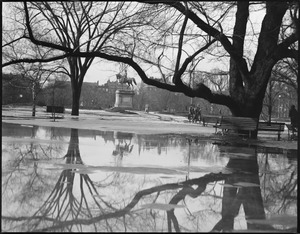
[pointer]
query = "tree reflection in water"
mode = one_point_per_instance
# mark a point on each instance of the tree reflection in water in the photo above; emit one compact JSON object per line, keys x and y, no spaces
{"x":64,"y":210}
{"x":62,"y":205}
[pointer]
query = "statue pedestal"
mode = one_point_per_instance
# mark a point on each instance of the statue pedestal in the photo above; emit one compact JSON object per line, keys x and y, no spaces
{"x":124,"y":99}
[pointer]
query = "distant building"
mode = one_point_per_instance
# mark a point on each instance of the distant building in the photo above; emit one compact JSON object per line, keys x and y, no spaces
{"x":93,"y":95}
{"x":109,"y":86}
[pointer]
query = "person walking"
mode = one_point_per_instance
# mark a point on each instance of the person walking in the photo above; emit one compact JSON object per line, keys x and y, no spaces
{"x":293,"y":114}
{"x":197,"y":116}
{"x":147,"y":108}
{"x":191,"y":113}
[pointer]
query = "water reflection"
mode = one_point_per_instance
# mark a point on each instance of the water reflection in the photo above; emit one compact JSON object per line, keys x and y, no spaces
{"x":69,"y":180}
{"x":124,"y":145}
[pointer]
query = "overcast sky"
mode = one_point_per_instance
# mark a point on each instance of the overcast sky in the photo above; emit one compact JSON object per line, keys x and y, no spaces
{"x":103,"y":71}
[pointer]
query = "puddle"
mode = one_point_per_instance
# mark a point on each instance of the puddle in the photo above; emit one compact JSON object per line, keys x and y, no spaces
{"x":60,"y":179}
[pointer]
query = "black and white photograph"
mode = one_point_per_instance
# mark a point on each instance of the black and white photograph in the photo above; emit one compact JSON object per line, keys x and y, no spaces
{"x":150,"y":116}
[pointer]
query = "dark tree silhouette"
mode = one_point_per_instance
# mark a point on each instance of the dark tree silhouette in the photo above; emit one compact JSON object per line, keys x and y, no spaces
{"x":247,"y":82}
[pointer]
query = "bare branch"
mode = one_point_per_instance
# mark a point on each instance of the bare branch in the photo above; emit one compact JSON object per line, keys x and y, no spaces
{"x":35,"y":60}
{"x":38,"y":42}
{"x":13,"y":41}
{"x":180,"y":46}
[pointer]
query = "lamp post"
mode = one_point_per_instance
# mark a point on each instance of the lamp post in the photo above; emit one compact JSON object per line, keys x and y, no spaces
{"x":279,"y":105}
{"x":20,"y":97}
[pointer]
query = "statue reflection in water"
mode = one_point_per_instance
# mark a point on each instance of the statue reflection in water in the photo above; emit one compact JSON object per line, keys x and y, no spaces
{"x":123,"y":146}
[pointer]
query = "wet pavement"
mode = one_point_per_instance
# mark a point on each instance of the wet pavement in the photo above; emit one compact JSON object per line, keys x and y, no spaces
{"x":69,"y":179}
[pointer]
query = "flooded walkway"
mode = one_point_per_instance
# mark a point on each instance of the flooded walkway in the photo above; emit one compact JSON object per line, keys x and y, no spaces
{"x":70,"y":179}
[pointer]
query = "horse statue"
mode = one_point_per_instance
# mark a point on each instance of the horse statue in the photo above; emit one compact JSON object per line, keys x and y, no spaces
{"x":124,"y":80}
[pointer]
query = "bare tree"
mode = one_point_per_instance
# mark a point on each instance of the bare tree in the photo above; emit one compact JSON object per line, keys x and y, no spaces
{"x":270,"y":99}
{"x":246,"y":86}
{"x":286,"y":71}
{"x":198,"y":27}
{"x":14,"y":47}
{"x":36,"y":74}
{"x":80,"y":27}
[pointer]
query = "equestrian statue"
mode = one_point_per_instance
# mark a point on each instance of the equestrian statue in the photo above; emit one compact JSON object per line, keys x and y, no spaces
{"x":123,"y":80}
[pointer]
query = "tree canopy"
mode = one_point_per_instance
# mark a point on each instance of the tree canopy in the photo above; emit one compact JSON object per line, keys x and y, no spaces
{"x":173,"y":37}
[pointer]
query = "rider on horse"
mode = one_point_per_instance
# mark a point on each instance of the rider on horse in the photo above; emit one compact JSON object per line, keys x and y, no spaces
{"x":124,"y":79}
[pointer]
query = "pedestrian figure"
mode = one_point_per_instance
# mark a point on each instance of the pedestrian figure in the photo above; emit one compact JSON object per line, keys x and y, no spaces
{"x":197,"y":116}
{"x":293,"y":114}
{"x":147,"y":108}
{"x":191,"y":113}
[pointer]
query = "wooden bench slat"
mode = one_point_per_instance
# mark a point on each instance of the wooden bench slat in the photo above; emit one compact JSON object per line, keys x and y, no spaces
{"x":237,"y":123}
{"x":289,"y":126}
{"x":292,"y":130}
{"x":248,"y":124}
{"x":213,"y":119}
{"x":271,"y":126}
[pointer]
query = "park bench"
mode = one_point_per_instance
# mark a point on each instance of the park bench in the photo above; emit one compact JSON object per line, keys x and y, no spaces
{"x":56,"y":109}
{"x":237,"y":124}
{"x":237,"y":151}
{"x":291,"y":131}
{"x":269,"y":150}
{"x":213,"y":119}
{"x":271,"y":126}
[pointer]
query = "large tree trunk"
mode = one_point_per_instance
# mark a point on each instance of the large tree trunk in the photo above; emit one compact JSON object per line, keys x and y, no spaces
{"x":78,"y":72}
{"x":247,"y":88}
{"x":248,"y":197}
{"x":249,"y":106}
{"x":76,"y":100}
{"x":73,"y":154}
{"x":248,"y":96}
